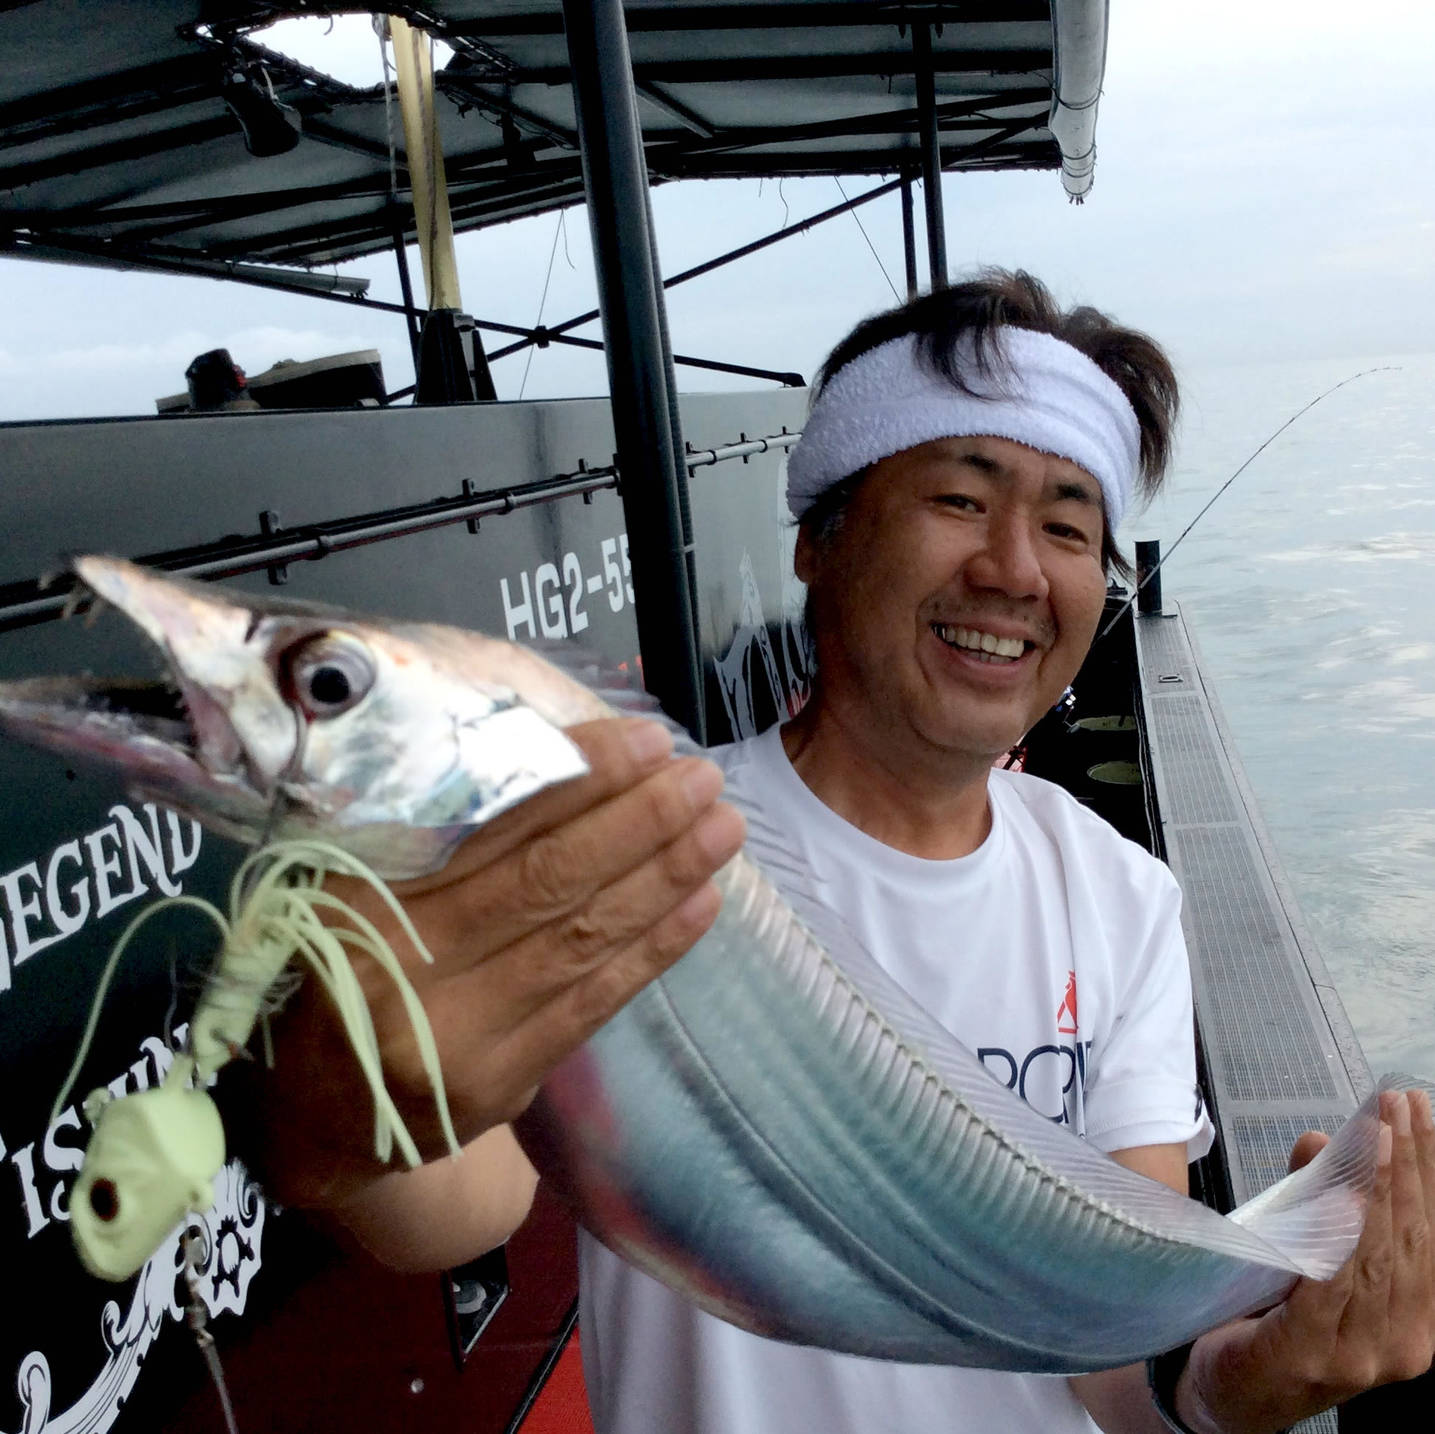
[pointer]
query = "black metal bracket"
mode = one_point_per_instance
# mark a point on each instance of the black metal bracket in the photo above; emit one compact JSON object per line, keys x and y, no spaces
{"x":270,"y":526}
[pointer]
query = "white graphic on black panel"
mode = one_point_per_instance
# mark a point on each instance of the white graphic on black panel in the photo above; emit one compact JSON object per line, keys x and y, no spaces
{"x":231,"y":1231}
{"x":750,"y":647}
{"x":82,"y":1353}
{"x":795,"y":653}
{"x":766,"y":670}
{"x":48,"y":900}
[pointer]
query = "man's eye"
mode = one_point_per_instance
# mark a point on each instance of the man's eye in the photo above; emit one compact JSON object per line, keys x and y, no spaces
{"x":1066,"y":531}
{"x":960,"y":501}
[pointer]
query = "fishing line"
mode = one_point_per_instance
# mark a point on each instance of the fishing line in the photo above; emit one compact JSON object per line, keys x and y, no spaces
{"x":1165,"y":557}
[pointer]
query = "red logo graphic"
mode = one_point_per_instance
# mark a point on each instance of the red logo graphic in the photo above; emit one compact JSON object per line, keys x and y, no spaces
{"x":1066,"y":1012}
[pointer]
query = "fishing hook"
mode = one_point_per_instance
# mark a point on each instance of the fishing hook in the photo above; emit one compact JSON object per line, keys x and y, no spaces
{"x":196,"y":1316}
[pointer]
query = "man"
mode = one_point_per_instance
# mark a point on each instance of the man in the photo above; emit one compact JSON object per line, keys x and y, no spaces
{"x":967,"y":460}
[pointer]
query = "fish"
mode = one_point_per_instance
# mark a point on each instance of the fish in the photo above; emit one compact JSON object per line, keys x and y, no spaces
{"x":772,"y":1127}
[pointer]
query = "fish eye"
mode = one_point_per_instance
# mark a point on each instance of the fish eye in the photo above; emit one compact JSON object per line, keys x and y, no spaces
{"x":329,"y":674}
{"x":104,"y":1200}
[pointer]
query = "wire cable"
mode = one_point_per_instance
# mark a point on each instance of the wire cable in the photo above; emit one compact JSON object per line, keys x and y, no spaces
{"x":543,"y":299}
{"x":857,"y":218}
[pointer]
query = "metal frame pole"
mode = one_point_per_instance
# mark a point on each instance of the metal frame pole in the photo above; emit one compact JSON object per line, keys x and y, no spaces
{"x":931,"y":151}
{"x":406,"y":287}
{"x":802,"y":226}
{"x":909,"y":235}
{"x":675,"y":422}
{"x":654,"y":480}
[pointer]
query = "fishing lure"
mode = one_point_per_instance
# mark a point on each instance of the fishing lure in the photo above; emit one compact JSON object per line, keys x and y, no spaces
{"x":154,"y":1155}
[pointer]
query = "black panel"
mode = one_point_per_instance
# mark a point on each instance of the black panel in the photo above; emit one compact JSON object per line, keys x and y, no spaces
{"x":78,"y":860}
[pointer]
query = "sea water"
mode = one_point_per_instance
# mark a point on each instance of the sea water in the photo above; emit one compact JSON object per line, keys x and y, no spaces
{"x":1310,"y":587}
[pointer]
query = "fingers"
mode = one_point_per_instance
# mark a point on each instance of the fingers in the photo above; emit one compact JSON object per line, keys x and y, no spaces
{"x":574,"y":1014}
{"x":1365,"y":1317}
{"x":1308,"y":1145}
{"x":543,"y":963}
{"x":1423,"y":1126}
{"x":558,"y":872}
{"x":528,"y":975}
{"x":1411,"y":1318}
{"x":555,"y":989}
{"x":1374,"y":1321}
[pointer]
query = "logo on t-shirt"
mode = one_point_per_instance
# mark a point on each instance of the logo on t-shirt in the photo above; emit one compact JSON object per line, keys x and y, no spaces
{"x":1066,"y":1012}
{"x":1051,"y":1079}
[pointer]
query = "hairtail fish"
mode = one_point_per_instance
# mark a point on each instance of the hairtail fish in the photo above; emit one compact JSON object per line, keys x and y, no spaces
{"x":772,"y":1126}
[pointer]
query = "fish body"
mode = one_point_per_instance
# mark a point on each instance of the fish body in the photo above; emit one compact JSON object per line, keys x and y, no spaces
{"x":772,"y":1127}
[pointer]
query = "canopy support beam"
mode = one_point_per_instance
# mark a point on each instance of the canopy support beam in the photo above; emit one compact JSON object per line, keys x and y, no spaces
{"x":649,"y":450}
{"x":931,"y":152}
{"x":406,"y":286}
{"x":909,"y":237}
{"x":552,"y":332}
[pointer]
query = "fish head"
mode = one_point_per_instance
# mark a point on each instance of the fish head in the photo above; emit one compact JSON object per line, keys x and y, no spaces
{"x":151,"y":1160}
{"x":288,"y":719}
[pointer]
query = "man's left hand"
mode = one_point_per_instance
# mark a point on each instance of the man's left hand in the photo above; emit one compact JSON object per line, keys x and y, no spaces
{"x":1373,"y":1323}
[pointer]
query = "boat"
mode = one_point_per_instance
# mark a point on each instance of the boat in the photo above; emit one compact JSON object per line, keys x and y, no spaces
{"x":169,"y":138}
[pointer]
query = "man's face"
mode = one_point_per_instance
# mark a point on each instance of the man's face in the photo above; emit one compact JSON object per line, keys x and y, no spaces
{"x":958,"y":596}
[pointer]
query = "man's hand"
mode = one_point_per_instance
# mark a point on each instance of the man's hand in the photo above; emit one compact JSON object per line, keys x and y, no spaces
{"x":542,"y":926}
{"x":1372,"y":1324}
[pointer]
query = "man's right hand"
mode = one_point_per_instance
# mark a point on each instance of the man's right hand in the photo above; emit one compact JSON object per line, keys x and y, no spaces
{"x":542,"y":926}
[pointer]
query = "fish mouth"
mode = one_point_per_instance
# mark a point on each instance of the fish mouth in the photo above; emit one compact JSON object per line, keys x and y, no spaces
{"x":170,"y":738}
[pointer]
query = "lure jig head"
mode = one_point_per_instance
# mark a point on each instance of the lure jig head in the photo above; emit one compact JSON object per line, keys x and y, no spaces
{"x":154,"y":1155}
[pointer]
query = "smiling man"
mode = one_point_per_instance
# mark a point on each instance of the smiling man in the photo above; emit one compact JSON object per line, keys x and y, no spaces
{"x":966,"y":462}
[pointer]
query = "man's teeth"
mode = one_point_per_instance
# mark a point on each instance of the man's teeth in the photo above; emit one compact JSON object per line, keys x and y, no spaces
{"x":985,"y":644}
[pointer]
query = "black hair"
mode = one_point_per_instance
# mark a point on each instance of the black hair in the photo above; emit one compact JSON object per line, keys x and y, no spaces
{"x":966,"y":317}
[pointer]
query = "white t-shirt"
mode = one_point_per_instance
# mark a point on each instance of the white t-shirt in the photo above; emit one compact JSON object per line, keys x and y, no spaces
{"x":1055,"y":952}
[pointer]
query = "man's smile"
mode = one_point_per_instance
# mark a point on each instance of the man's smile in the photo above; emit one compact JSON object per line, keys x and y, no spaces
{"x":983,"y":645}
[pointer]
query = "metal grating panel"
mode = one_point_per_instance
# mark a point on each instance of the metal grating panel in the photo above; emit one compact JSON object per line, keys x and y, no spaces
{"x":1256,"y":1011}
{"x":1165,"y":652}
{"x":1275,"y":1067}
{"x":1264,"y":1143}
{"x":1198,"y":785}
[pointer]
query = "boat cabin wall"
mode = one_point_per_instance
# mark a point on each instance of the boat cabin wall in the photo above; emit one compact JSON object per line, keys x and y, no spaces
{"x":78,"y":859}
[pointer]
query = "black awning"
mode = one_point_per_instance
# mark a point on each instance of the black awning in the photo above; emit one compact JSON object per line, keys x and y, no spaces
{"x":116,"y":143}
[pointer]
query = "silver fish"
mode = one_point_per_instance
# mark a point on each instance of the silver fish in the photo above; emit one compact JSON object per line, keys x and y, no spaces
{"x":772,"y":1127}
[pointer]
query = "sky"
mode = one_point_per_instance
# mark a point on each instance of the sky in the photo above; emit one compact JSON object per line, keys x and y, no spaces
{"x":1265,"y":190}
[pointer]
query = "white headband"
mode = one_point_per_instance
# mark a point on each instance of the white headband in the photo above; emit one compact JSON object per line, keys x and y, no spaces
{"x":887,"y":400}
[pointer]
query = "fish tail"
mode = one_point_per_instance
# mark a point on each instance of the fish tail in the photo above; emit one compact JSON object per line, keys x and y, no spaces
{"x":1315,"y":1215}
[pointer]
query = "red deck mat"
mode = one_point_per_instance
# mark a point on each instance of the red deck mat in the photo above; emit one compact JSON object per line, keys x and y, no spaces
{"x":562,"y":1406}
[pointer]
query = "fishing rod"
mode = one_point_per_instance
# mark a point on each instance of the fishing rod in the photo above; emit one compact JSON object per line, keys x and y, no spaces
{"x":1136,"y":592}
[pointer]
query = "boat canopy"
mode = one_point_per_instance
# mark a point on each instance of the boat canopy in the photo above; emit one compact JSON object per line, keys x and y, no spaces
{"x":166,"y":134}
